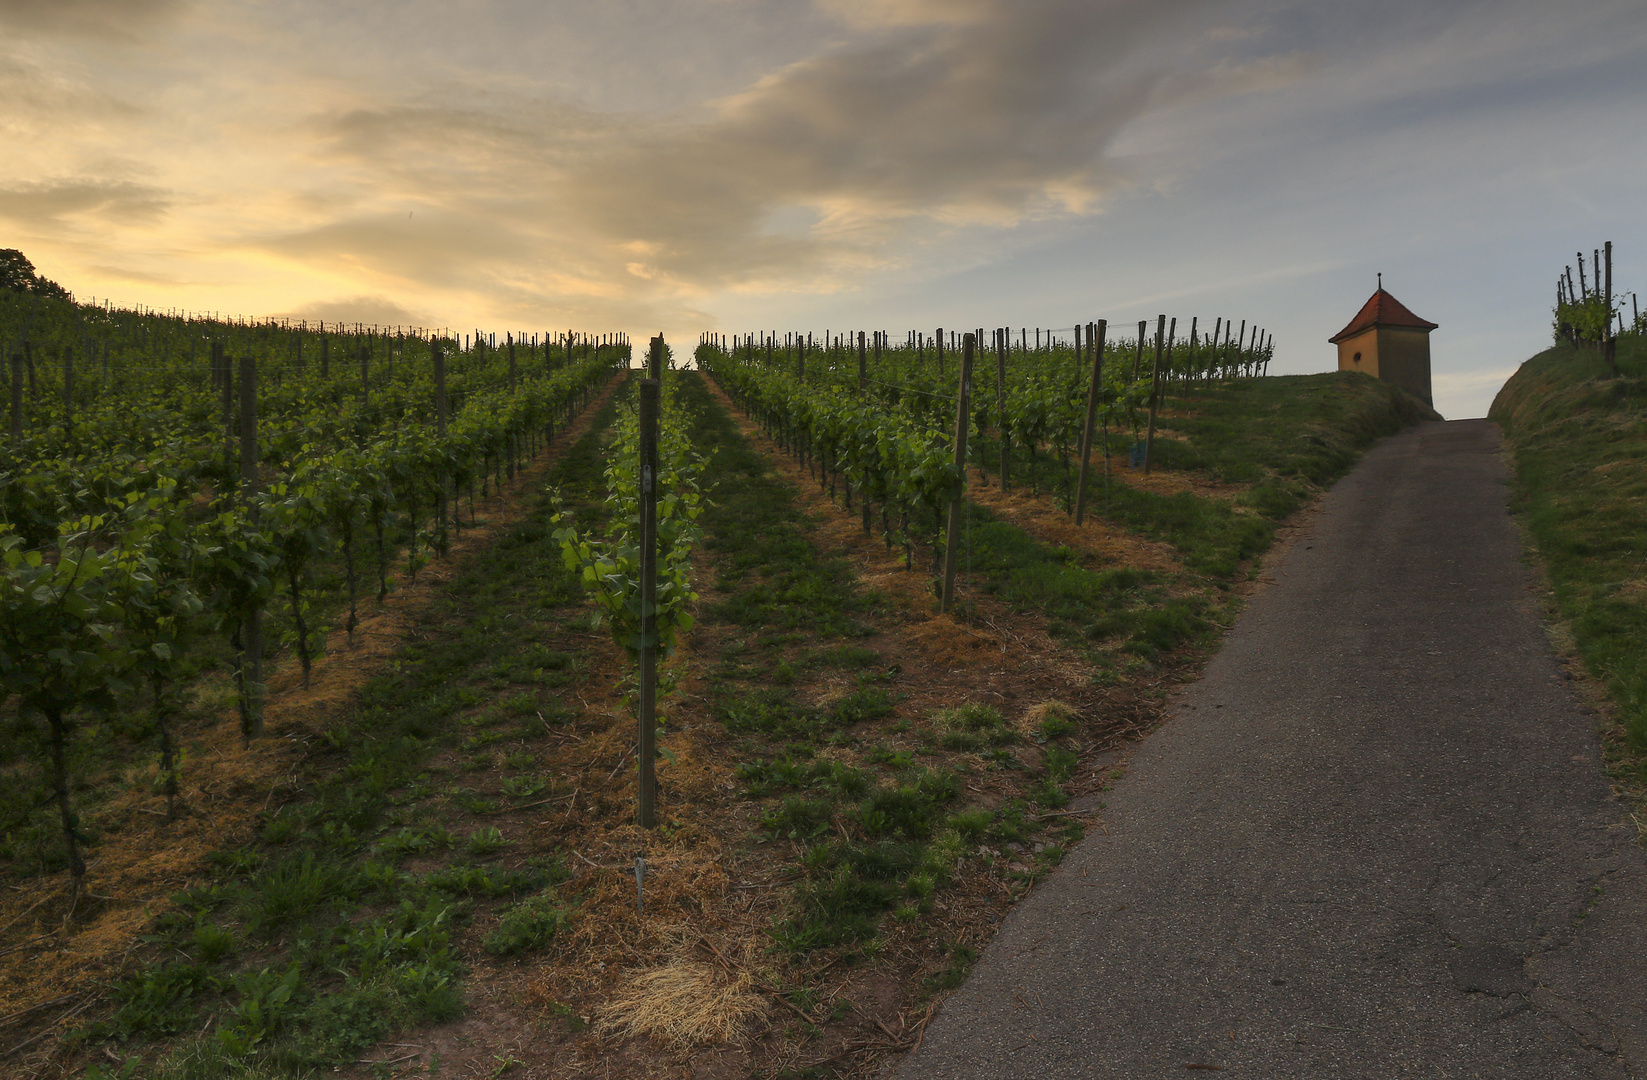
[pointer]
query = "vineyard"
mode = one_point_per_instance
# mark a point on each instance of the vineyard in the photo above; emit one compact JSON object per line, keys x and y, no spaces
{"x":1588,"y":314}
{"x":193,"y":474}
{"x":884,"y":425}
{"x":891,"y":613}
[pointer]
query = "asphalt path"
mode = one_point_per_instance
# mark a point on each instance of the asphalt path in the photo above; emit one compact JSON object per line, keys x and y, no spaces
{"x":1375,"y":840}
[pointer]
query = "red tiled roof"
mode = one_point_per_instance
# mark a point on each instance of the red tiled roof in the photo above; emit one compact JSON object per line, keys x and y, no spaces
{"x":1381,"y":310}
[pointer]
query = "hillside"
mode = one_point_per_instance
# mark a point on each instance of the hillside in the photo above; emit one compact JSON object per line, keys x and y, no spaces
{"x":437,"y":848}
{"x":1579,"y":439}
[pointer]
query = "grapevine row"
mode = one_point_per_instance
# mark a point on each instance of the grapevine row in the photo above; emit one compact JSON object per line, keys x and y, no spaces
{"x":119,"y":562}
{"x":880,"y":428}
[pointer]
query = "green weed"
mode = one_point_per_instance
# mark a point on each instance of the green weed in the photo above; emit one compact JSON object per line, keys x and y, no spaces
{"x":797,"y":819}
{"x":971,"y":825}
{"x":212,"y":942}
{"x":292,"y":888}
{"x":524,"y":787}
{"x":970,"y":727}
{"x":953,"y":974}
{"x":484,"y":842}
{"x":415,"y":840}
{"x":1060,"y":763}
{"x":860,"y":706}
{"x":526,"y":926}
{"x":159,"y":1000}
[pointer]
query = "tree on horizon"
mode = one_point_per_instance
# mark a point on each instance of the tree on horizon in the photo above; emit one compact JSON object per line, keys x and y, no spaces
{"x":17,"y":274}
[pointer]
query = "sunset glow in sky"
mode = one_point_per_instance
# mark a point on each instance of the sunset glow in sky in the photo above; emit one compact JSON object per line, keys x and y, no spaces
{"x":735,"y":165}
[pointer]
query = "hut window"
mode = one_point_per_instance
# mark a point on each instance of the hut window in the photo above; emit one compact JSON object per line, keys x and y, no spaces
{"x":1358,"y":358}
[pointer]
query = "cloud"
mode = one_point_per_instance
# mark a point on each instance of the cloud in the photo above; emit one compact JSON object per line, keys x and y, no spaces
{"x":464,"y":130}
{"x":886,"y":13}
{"x":38,"y":101}
{"x":114,"y":19}
{"x":440,"y":248}
{"x":369,"y":310}
{"x":906,"y":127}
{"x":926,"y":120}
{"x":938,"y":117}
{"x":142,"y":277}
{"x":120,"y":202}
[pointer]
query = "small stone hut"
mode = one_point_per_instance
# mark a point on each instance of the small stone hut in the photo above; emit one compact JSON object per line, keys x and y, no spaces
{"x":1388,"y":342}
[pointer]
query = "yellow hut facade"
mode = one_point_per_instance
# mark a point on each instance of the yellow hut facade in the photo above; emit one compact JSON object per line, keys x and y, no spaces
{"x":1389,"y":342}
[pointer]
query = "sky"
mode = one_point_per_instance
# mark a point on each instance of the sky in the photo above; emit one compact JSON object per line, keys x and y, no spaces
{"x":682,"y":166}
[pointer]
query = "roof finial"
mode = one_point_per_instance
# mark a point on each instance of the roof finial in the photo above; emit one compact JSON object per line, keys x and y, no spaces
{"x":1381,"y":282}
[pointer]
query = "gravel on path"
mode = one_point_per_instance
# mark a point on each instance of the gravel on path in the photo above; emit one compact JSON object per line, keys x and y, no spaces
{"x":1375,"y":840}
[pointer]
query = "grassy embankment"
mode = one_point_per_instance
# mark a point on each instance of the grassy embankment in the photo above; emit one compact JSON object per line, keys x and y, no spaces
{"x":1579,"y":438}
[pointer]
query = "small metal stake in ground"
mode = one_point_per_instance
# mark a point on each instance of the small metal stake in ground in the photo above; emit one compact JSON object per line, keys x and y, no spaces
{"x":640,"y":884}
{"x":650,"y":390}
{"x":952,"y":542}
{"x":1095,"y":341}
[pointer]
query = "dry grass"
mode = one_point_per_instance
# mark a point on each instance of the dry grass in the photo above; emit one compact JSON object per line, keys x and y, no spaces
{"x":683,"y":1004}
{"x":952,"y":645}
{"x":1037,"y":715}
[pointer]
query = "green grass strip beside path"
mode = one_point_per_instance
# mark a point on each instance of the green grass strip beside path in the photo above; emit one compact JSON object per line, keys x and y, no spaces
{"x":1579,"y":437}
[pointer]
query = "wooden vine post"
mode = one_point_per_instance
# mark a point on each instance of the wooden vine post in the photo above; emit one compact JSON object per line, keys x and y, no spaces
{"x":16,"y":395}
{"x":1193,"y":342}
{"x":446,"y":482}
{"x":68,"y":395}
{"x":863,"y":362}
{"x":957,"y":505}
{"x":251,"y":639}
{"x":1611,"y":343}
{"x":1003,"y":344}
{"x":1095,"y":341}
{"x":440,"y":388}
{"x":225,"y":402}
{"x":650,"y":394}
{"x":1161,"y":340}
